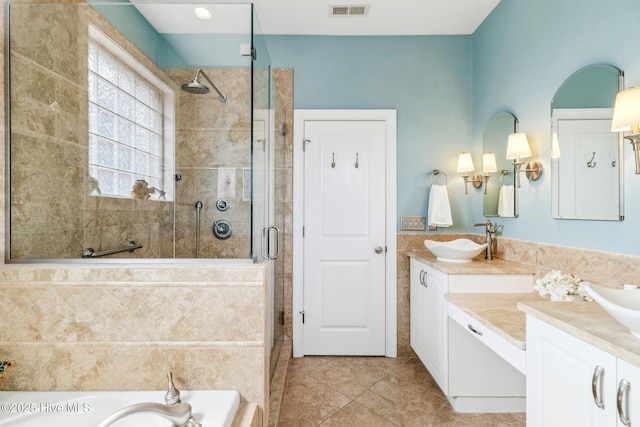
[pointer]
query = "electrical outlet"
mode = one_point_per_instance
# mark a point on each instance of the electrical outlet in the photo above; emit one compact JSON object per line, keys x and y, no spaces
{"x":413,"y":223}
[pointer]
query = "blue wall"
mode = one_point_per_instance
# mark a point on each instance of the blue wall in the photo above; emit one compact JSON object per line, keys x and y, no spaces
{"x":447,"y":88}
{"x":427,"y":79}
{"x":522,"y":53}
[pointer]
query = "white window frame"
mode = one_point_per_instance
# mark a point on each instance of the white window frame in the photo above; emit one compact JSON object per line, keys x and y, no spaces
{"x":167,"y":139}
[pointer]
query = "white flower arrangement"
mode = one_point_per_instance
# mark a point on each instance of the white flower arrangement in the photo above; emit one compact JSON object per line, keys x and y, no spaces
{"x":560,"y":285}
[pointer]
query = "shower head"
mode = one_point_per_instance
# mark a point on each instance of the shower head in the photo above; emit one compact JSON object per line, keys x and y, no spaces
{"x":195,"y":87}
{"x":198,"y":88}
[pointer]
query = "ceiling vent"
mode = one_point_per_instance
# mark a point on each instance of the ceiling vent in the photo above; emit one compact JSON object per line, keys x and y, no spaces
{"x":349,"y":10}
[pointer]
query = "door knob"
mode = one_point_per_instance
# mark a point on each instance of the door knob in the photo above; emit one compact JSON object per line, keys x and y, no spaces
{"x":379,"y":249}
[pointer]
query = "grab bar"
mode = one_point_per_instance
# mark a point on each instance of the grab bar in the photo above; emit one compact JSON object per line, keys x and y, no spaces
{"x":198,"y":207}
{"x":90,"y":253}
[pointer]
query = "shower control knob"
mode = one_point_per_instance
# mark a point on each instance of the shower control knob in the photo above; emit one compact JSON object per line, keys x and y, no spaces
{"x":222,"y":229}
{"x":222,"y":205}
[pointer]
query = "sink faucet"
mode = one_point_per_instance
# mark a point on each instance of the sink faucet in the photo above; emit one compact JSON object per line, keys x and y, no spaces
{"x":490,"y":229}
{"x":179,"y":414}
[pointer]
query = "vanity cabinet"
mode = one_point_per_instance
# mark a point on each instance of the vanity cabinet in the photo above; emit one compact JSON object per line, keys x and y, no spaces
{"x":427,"y":317}
{"x":571,"y":382}
{"x":429,"y":326}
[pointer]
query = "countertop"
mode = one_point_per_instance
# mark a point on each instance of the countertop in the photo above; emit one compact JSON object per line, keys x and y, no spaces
{"x":479,"y":265}
{"x":505,"y":314}
{"x":498,"y":312}
{"x":590,"y":323}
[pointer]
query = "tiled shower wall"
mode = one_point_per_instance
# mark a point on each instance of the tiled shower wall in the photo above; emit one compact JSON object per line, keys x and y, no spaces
{"x":213,"y":159}
{"x":53,"y":214}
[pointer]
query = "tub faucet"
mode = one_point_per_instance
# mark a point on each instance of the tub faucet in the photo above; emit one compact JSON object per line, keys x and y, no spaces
{"x":4,"y":365}
{"x":174,"y":410}
{"x":179,"y":414}
{"x":490,"y":229}
{"x":172,"y":397}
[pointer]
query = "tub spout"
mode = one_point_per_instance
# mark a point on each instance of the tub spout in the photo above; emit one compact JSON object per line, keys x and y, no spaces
{"x":179,"y":414}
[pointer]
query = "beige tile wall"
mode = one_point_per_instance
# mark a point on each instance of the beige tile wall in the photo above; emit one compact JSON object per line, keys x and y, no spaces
{"x":213,"y":137}
{"x":115,"y":328}
{"x":53,"y":214}
{"x":87,"y":328}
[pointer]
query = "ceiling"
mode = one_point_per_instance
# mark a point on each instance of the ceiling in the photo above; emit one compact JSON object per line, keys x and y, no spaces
{"x":313,"y":17}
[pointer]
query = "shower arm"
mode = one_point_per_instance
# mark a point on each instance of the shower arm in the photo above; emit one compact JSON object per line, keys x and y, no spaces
{"x":221,"y":97}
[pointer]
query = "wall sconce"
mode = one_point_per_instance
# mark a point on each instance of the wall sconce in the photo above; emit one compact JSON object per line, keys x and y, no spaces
{"x":488,"y":165}
{"x":465,"y":165}
{"x":626,"y":118}
{"x":518,"y":148}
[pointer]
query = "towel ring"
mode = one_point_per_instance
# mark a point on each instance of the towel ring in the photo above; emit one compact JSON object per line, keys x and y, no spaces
{"x":436,"y":172}
{"x":504,"y":172}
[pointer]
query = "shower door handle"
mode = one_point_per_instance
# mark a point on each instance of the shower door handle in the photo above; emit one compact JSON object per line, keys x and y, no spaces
{"x":266,"y":242}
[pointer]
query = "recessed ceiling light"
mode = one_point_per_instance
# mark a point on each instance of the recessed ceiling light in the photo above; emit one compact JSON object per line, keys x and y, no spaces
{"x":202,"y":12}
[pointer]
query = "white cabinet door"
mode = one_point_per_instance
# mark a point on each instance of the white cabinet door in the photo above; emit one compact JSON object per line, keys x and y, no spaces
{"x":628,"y":395}
{"x":427,"y":320}
{"x":566,"y":378}
{"x":417,"y":309}
{"x":437,"y":328}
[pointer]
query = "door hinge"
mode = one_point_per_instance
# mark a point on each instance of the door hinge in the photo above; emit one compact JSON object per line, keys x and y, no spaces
{"x":302,"y":313}
{"x":304,"y":144}
{"x":281,"y":318}
{"x":303,"y":231}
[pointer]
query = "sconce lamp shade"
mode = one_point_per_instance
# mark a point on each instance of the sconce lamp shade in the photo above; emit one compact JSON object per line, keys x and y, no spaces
{"x":489,"y":162}
{"x":555,"y":146}
{"x":626,"y":112}
{"x":465,"y":163}
{"x":518,"y":146}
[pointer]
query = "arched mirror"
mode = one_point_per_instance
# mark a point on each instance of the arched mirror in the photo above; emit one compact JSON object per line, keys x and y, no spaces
{"x":586,"y":157}
{"x":499,"y":195}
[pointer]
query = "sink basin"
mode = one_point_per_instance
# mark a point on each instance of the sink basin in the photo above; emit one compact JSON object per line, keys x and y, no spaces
{"x":459,"y":250}
{"x":622,"y":304}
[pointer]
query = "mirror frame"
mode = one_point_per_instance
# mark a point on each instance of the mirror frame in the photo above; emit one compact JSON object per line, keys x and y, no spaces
{"x":501,"y":171}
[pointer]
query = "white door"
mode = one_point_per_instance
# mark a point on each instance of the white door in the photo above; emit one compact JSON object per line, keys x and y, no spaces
{"x":593,"y":172}
{"x":344,"y":238}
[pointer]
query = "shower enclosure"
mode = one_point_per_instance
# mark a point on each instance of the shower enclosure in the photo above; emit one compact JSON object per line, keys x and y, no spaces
{"x":142,"y":130}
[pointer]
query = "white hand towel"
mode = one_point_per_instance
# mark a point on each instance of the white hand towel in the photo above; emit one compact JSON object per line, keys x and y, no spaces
{"x":506,"y":201}
{"x":439,"y":209}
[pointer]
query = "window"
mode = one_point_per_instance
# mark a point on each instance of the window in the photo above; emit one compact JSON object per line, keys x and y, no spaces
{"x":128,"y":111}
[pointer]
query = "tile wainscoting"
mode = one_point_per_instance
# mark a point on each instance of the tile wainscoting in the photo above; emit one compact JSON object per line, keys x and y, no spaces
{"x":124,"y":328}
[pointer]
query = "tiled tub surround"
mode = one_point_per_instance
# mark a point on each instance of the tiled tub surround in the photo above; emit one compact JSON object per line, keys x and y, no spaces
{"x":122,"y":327}
{"x":590,"y":265}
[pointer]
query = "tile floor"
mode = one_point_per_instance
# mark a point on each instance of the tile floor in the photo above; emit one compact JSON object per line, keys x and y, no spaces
{"x":371,"y":392}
